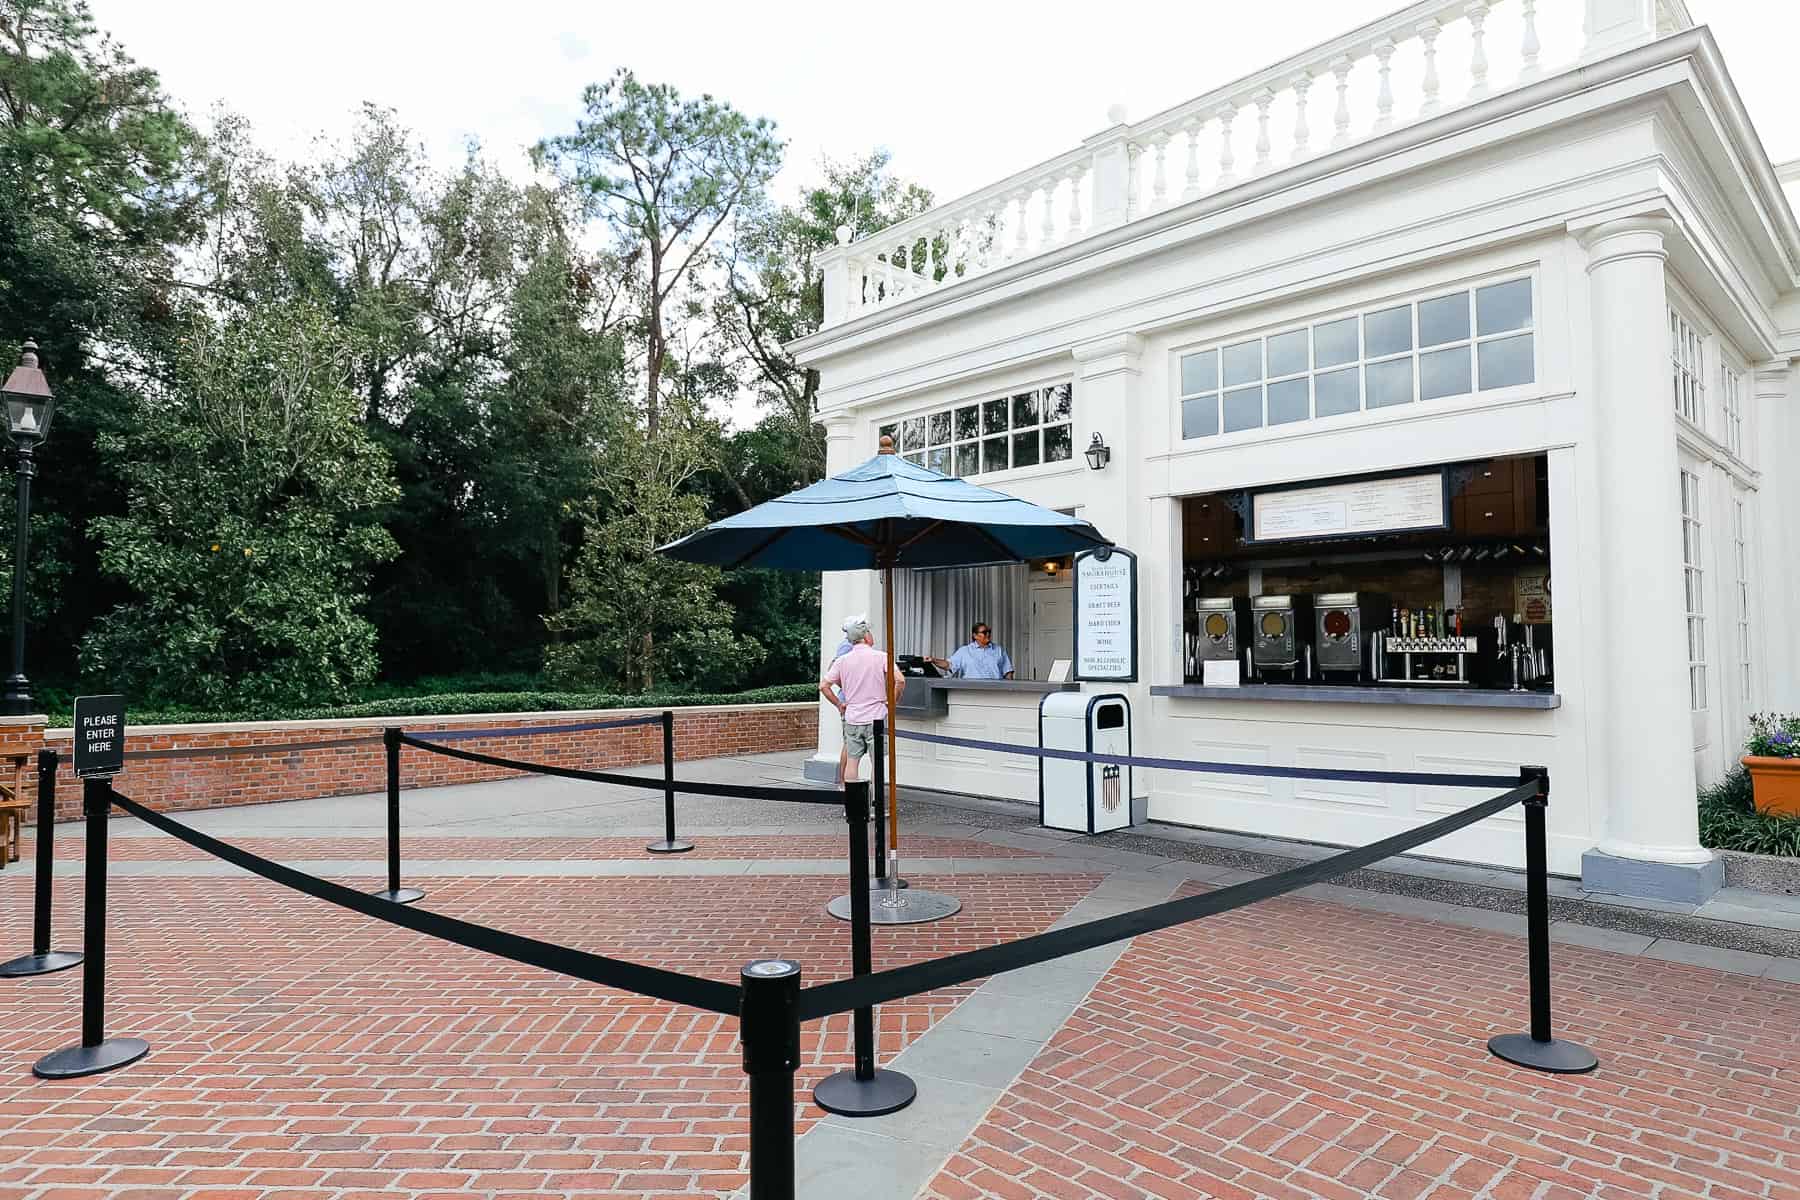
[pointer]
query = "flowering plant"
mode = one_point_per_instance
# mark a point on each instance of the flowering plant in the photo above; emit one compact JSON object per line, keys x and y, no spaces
{"x":1774,"y":735}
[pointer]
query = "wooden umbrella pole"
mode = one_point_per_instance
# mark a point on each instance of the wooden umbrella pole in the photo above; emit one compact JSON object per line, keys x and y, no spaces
{"x":893,"y":779}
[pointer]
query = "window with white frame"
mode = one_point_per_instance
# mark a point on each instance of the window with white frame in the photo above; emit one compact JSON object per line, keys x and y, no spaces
{"x":1020,"y":429}
{"x":1731,"y":402}
{"x":1694,"y":578}
{"x":1474,"y":339}
{"x":1740,"y":559}
{"x":1688,"y":351}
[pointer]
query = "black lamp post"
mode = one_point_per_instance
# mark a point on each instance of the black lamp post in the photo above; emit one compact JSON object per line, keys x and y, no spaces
{"x":29,"y":407}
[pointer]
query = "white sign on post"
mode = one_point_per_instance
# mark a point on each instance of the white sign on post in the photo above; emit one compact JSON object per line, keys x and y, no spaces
{"x":1106,"y":615}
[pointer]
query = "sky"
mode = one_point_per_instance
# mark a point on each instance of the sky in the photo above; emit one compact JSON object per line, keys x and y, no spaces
{"x":961,"y":94}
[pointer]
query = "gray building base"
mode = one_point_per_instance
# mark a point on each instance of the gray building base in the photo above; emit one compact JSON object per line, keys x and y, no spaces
{"x":821,"y":770}
{"x":1677,"y":883}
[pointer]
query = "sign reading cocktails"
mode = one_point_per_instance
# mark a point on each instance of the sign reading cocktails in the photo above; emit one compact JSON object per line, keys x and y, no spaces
{"x":1106,"y":615}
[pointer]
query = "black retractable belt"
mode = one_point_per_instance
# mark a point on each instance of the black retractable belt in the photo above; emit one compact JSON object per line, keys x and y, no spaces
{"x":394,"y":892}
{"x":42,"y":960}
{"x":96,"y":1052}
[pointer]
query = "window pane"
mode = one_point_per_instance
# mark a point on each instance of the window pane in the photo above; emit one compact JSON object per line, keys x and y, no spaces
{"x":1445,"y":319}
{"x":939,"y":460}
{"x":1025,"y":410}
{"x":1199,"y":372}
{"x":1025,"y":449}
{"x":1287,"y":353}
{"x":912,"y":432}
{"x":1288,"y":402}
{"x":1388,"y":383}
{"x":1059,"y":402}
{"x":1444,"y":373}
{"x":1337,"y":392}
{"x":940,"y":428}
{"x":1506,"y":362}
{"x":1200,"y":417}
{"x":917,"y":460}
{"x":968,"y":422}
{"x":1243,"y":363}
{"x":1243,"y":409}
{"x":968,"y":459}
{"x":1334,"y":343}
{"x":1388,"y":331}
{"x":1059,"y":443}
{"x":993,"y":416}
{"x":993,"y":454}
{"x":1503,"y":306}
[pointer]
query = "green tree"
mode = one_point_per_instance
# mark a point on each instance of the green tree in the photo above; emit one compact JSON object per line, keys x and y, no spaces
{"x":250,"y":536}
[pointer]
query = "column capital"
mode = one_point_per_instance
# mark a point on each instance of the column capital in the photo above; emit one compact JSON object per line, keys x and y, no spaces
{"x":1641,"y":236}
{"x":1110,"y":355}
{"x":1772,"y":378}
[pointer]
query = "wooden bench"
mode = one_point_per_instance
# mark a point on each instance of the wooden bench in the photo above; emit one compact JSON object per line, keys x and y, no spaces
{"x":12,"y":824}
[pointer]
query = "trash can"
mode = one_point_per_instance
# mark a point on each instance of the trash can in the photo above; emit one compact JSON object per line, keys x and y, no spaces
{"x":1086,"y":797}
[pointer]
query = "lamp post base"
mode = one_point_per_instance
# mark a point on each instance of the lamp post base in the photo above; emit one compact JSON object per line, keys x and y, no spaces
{"x":1555,"y":1056}
{"x":400,"y":895}
{"x":39,"y":964}
{"x":848,"y":1096}
{"x":666,"y":846}
{"x":72,"y":1062}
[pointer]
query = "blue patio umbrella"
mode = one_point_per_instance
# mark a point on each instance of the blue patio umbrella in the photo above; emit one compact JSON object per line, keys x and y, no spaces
{"x":884,"y":514}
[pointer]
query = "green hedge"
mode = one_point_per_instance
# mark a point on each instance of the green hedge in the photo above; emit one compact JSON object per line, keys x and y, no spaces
{"x":463,"y":704}
{"x":1729,"y":820}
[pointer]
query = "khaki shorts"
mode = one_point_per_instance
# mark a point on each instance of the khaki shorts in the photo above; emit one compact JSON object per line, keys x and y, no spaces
{"x":859,"y":739}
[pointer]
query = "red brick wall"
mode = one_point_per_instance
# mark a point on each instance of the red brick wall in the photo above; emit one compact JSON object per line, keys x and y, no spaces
{"x":221,"y":781}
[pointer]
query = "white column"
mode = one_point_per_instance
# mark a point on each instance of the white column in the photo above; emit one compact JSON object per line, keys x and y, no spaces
{"x":1635,"y":552}
{"x":1611,"y":26}
{"x":840,"y":594}
{"x":1112,"y":172}
{"x":1769,"y":436}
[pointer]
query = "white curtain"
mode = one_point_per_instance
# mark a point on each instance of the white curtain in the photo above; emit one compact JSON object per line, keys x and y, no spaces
{"x":933,"y":610}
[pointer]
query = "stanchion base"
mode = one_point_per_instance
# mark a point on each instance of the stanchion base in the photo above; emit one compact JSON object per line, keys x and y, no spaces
{"x":848,"y":1096}
{"x":1556,"y":1056}
{"x":668,"y":847}
{"x":403,"y":896}
{"x":39,"y":964}
{"x":921,"y":906}
{"x":72,"y":1062}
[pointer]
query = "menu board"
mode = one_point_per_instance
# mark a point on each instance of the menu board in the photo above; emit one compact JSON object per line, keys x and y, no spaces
{"x":1399,"y":502}
{"x":1106,"y":615}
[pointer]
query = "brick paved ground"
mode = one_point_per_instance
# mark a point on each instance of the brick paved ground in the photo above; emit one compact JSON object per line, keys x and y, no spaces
{"x":1298,"y":1049}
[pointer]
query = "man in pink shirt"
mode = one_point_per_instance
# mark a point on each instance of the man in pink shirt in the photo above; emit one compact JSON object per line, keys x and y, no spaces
{"x":856,"y":685}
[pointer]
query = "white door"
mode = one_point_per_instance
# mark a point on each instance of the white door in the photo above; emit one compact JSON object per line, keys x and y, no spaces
{"x":1052,"y":627}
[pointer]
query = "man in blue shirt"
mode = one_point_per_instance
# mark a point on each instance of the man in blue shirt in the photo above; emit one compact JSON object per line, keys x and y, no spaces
{"x":980,"y":659}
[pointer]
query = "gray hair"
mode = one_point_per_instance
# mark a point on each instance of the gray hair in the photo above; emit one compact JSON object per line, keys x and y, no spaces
{"x":856,"y":631}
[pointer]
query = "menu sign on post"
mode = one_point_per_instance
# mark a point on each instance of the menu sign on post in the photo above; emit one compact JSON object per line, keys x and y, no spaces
{"x":1362,"y":506}
{"x":1106,"y":615}
{"x":99,"y":736}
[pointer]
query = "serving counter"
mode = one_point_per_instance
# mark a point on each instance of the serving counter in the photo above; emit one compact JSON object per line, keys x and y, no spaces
{"x":988,"y":710}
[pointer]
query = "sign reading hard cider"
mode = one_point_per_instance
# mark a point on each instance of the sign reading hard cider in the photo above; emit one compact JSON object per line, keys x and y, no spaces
{"x":1106,"y":615}
{"x":1364,"y":506}
{"x":99,"y":736}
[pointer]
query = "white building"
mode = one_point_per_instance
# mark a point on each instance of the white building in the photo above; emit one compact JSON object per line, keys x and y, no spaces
{"x":1573,"y":287}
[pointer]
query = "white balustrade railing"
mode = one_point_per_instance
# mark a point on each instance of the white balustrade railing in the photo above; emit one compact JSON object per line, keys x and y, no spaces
{"x":1426,"y":58}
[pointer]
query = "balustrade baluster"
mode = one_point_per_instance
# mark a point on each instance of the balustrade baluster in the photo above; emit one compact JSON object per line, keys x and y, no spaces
{"x":1192,"y":190}
{"x":1302,"y":135}
{"x":1076,"y":178}
{"x":1159,"y":186}
{"x":1340,"y":119}
{"x":1022,"y":238}
{"x":1227,"y":114}
{"x":1384,"y":95}
{"x":1478,"y":63}
{"x":1528,"y":48}
{"x":1047,"y":232}
{"x":887,"y":277}
{"x":1263,"y":99}
{"x":930,"y":258}
{"x":853,"y":300}
{"x":1133,"y":192}
{"x":1428,"y":34}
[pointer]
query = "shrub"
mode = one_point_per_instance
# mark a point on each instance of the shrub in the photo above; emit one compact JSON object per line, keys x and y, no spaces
{"x":1729,"y":820}
{"x":1774,"y":735}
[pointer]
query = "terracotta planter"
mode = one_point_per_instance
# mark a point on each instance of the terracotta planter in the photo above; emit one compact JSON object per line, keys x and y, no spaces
{"x":1776,"y":784}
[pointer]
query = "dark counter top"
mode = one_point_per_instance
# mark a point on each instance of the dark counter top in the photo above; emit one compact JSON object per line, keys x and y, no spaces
{"x":926,"y":697}
{"x":1038,"y":686}
{"x":1328,"y":693}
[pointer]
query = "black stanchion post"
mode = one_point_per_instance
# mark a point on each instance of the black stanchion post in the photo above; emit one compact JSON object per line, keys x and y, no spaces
{"x":399,"y":895}
{"x":96,"y":1053}
{"x":42,"y":960}
{"x":769,"y":1027}
{"x":670,"y":844}
{"x":878,"y":755}
{"x":1538,"y":1049}
{"x":863,"y":1091}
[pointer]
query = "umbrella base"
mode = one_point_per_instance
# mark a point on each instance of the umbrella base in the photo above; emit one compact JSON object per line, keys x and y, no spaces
{"x":917,"y":907}
{"x":39,"y":964}
{"x":399,"y":895}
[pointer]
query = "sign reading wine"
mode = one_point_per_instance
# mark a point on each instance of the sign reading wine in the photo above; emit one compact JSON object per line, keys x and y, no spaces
{"x":1106,"y":615}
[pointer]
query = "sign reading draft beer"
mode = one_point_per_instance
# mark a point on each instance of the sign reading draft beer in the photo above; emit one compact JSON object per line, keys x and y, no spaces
{"x":1106,"y":615}
{"x":1362,"y":506}
{"x":99,"y":736}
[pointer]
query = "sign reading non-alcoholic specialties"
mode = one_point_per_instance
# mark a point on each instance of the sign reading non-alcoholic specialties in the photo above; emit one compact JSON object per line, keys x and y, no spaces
{"x":1106,"y":615}
{"x":99,"y":736}
{"x":1361,"y":506}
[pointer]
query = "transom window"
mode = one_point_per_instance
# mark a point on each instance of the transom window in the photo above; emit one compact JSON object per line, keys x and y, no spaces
{"x":1731,"y":399}
{"x":1694,"y":577}
{"x":1477,"y":339}
{"x":1020,"y":429}
{"x":1688,"y":351}
{"x":1740,"y":557}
